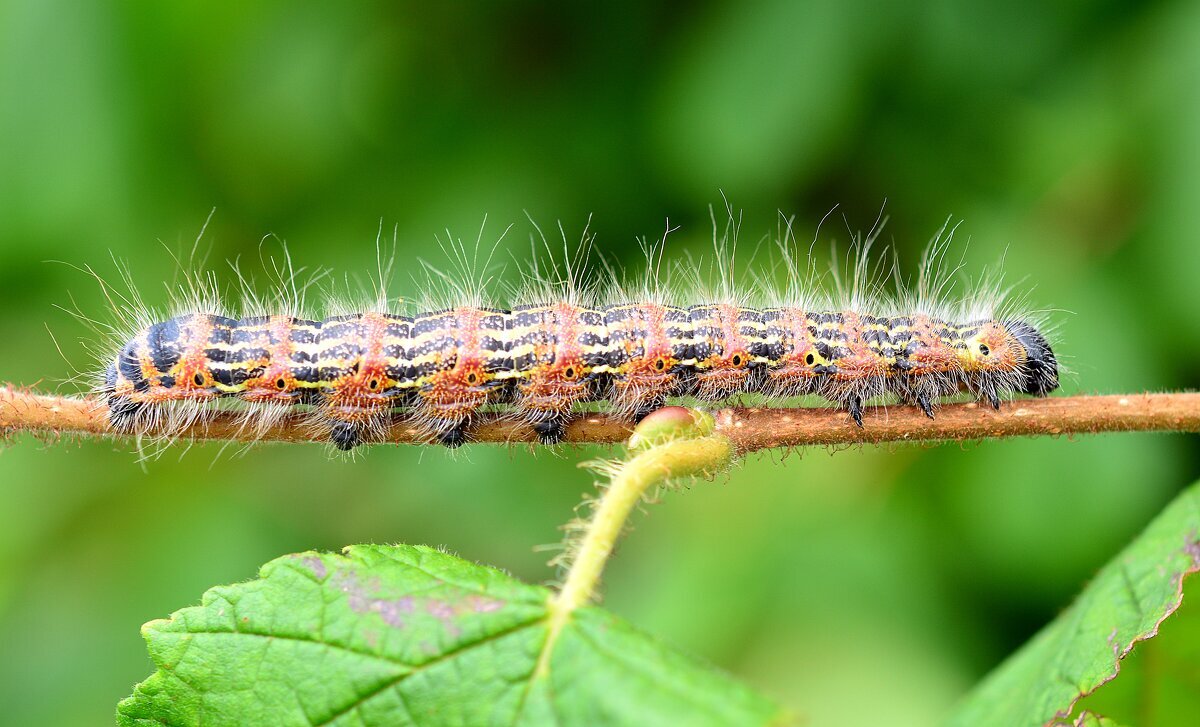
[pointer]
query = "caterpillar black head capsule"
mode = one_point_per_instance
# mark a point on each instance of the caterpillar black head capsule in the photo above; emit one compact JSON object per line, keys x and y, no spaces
{"x":1039,"y":371}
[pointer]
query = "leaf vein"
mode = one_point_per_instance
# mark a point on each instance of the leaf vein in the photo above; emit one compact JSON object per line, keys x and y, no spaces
{"x":390,"y":683}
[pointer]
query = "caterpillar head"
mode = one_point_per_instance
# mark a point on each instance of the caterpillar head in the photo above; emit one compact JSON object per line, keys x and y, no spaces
{"x":1039,"y":367}
{"x":1014,"y":350}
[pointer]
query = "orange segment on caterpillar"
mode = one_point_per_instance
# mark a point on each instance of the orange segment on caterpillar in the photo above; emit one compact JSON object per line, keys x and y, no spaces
{"x":566,"y":345}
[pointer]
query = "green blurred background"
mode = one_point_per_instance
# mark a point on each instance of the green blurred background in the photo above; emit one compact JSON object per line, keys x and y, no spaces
{"x":873,"y":586}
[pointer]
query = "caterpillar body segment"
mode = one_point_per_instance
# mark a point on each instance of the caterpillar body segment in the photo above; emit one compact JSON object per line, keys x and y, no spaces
{"x":350,"y":373}
{"x":461,"y":363}
{"x":863,"y":356}
{"x":725,"y":342}
{"x":358,"y":371}
{"x":789,"y":353}
{"x":559,"y":358}
{"x":928,"y":366}
{"x":651,"y":356}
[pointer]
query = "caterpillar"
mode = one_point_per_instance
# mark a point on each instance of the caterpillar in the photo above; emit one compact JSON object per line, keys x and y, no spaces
{"x":542,"y":360}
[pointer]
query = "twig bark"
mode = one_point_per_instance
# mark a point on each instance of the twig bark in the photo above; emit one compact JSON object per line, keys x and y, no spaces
{"x":750,"y":428}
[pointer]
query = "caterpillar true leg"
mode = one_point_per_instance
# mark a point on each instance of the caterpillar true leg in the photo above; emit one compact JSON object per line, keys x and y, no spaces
{"x":925,"y":403}
{"x":854,"y":405}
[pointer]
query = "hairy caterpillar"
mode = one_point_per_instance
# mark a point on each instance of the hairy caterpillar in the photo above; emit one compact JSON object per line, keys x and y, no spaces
{"x":539,"y":361}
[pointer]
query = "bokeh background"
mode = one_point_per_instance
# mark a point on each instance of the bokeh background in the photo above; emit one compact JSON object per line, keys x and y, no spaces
{"x":873,"y":586}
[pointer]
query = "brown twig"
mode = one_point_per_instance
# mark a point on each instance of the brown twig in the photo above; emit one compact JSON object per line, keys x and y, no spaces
{"x":750,"y":429}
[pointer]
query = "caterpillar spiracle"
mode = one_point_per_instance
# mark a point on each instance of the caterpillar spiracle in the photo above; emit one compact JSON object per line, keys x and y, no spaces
{"x":565,"y":346}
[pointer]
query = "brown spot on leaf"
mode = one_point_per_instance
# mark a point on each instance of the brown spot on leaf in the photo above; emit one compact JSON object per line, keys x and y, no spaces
{"x":482,"y":604}
{"x":1192,"y":548}
{"x":438,"y":608}
{"x":394,"y":611}
{"x":346,"y":581}
{"x":389,"y":611}
{"x":444,"y":612}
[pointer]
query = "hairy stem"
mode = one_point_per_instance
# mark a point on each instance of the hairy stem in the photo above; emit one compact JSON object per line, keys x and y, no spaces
{"x":631,"y":479}
{"x":749,"y":429}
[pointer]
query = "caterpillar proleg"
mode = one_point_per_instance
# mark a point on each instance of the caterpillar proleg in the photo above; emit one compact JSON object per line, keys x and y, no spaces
{"x":566,"y":345}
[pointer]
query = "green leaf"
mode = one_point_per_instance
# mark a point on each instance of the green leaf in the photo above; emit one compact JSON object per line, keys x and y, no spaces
{"x":393,"y":635}
{"x":1159,"y":684}
{"x":1082,"y":648}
